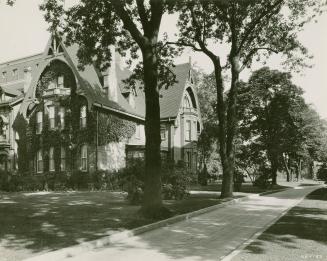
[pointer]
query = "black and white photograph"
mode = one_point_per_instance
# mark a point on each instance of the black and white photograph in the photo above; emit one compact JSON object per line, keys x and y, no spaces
{"x":162,"y":130}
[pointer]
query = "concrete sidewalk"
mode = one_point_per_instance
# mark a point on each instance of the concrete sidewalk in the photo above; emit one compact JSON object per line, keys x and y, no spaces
{"x":210,"y":236}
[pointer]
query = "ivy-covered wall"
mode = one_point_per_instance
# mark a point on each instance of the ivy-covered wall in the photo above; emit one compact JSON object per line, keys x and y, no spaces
{"x":105,"y":134}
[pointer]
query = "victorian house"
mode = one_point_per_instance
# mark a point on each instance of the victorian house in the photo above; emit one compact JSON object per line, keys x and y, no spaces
{"x":56,"y":117}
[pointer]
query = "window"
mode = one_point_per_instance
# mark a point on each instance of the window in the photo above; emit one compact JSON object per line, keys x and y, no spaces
{"x":84,"y":158}
{"x":163,"y":132}
{"x":15,"y":74}
{"x":39,"y":163}
{"x":188,"y":131}
{"x":60,"y":81}
{"x":4,"y":75}
{"x":52,"y":117}
{"x":83,"y":117}
{"x":198,"y":128}
{"x":62,"y":159}
{"x":51,"y":159}
{"x":194,"y":131}
{"x":52,"y":85}
{"x":39,"y":119}
{"x":62,"y":117}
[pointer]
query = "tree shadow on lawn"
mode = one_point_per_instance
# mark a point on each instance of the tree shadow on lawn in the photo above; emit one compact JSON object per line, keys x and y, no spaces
{"x":50,"y":221}
{"x":307,"y":221}
{"x":42,"y":222}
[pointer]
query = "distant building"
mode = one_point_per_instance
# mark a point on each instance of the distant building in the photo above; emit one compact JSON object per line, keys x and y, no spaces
{"x":57,"y":117}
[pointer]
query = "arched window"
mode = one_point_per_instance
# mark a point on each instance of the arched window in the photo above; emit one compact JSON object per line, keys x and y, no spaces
{"x":189,"y":99}
{"x":187,"y":102}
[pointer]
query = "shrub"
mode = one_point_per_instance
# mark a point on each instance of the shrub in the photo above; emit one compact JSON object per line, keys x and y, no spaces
{"x":262,"y":180}
{"x":175,"y":178}
{"x":203,"y":176}
{"x":132,"y":180}
{"x":105,"y":180}
{"x":238,"y":180}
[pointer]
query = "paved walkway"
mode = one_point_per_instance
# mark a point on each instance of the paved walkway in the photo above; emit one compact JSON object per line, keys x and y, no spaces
{"x":210,"y":236}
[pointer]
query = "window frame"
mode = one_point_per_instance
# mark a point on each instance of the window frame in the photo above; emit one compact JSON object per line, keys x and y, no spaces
{"x":84,"y":158}
{"x":52,"y":118}
{"x":39,"y":122}
{"x":163,"y":131}
{"x":39,"y":161}
{"x":51,"y":159}
{"x":62,"y":159}
{"x":188,"y":130}
{"x":83,"y":118}
{"x":62,"y":113}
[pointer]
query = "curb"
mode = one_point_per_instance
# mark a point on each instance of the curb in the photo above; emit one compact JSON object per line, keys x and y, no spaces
{"x":247,"y":242}
{"x":119,"y":236}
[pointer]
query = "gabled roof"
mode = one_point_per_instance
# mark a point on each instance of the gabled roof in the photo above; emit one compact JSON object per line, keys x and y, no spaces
{"x":88,"y":82}
{"x":171,"y":98}
{"x":89,"y":85}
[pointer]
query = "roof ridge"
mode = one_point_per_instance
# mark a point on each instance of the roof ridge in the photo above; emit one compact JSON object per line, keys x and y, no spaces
{"x":22,"y":59}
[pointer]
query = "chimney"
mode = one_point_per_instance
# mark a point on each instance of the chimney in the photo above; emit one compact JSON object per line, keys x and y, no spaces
{"x":110,"y":83}
{"x":27,"y":78}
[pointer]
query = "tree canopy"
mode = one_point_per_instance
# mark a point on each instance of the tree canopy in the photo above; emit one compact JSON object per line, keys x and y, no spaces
{"x":251,"y":29}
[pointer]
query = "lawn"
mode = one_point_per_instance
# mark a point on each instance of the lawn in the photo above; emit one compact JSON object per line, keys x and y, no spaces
{"x":299,"y":235}
{"x":33,"y":223}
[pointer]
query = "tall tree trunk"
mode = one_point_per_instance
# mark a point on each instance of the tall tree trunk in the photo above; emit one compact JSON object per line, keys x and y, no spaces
{"x":227,"y":186}
{"x":226,"y":161}
{"x":152,"y":193}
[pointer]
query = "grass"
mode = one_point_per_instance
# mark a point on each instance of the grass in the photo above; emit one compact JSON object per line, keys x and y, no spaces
{"x":299,"y":235}
{"x":33,"y":223}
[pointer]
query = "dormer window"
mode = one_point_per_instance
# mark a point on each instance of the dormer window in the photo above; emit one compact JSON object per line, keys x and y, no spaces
{"x":4,"y":75}
{"x":15,"y":74}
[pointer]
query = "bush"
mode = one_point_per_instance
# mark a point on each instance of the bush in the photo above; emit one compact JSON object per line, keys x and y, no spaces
{"x":8,"y":182}
{"x":238,"y":180}
{"x":132,"y":180}
{"x":262,"y":180}
{"x":322,"y":173}
{"x":175,"y":178}
{"x":203,"y":176}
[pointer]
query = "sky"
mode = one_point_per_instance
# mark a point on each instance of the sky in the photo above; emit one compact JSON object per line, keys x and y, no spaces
{"x":23,"y":32}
